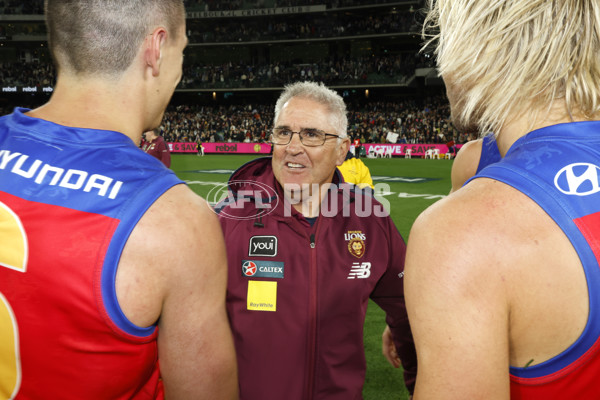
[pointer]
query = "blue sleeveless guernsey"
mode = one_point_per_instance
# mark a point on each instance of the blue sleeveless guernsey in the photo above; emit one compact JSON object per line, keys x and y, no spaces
{"x":69,"y":198}
{"x":490,"y":153}
{"x":558,"y":167}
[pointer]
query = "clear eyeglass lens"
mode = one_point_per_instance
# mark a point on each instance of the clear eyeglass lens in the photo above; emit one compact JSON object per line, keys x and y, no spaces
{"x":312,"y":138}
{"x":307,"y":137}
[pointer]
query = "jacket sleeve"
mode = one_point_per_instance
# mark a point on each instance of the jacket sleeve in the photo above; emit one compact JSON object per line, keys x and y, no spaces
{"x":389,"y":295}
{"x":165,"y":154}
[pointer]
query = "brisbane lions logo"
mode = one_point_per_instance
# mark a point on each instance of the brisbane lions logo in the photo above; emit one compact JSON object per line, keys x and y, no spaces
{"x":356,"y":247}
{"x":356,"y":243}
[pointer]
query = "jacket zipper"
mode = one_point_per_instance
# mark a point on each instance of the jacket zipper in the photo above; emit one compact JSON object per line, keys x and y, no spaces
{"x":312,"y":304}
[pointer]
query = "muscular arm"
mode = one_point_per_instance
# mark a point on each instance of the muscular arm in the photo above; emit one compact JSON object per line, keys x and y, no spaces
{"x":174,"y":269}
{"x":457,"y":304}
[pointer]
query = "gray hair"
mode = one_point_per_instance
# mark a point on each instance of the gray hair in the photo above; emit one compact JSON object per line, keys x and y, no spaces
{"x":517,"y":57}
{"x":104,"y":36}
{"x":321,"y":94}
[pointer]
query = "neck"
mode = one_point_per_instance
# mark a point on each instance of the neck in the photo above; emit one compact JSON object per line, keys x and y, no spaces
{"x":521,"y":125}
{"x":94,"y":103}
{"x":307,"y":200}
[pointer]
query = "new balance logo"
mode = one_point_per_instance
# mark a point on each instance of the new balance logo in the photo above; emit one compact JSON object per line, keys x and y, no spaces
{"x":360,"y":270}
{"x":578,"y":179}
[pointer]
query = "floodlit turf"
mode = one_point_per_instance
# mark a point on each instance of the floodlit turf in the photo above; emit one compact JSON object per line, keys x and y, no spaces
{"x":413,"y":185}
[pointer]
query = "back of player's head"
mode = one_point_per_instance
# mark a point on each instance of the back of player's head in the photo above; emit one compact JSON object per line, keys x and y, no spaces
{"x":104,"y":36}
{"x":508,"y":55}
{"x":319,"y":93}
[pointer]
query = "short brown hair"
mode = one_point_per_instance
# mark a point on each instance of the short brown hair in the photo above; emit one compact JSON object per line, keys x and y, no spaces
{"x":104,"y":36}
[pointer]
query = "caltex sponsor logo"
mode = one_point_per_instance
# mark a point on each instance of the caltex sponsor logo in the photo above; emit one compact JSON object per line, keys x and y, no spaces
{"x":249,"y":268}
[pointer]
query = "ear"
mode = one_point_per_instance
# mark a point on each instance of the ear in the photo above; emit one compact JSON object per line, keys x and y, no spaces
{"x":342,"y":150}
{"x":153,"y":53}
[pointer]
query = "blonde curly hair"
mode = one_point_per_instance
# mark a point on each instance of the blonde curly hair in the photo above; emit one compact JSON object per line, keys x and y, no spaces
{"x":507,"y":58}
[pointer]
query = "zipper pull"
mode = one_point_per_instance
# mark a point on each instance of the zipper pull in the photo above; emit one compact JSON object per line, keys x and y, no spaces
{"x":312,"y":240}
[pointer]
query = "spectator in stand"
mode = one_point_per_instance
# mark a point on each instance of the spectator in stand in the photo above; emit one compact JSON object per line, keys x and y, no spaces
{"x":358,"y":147}
{"x":156,"y":146}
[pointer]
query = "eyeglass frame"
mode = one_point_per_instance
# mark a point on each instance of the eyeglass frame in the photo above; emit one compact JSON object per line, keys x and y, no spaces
{"x":300,"y":136}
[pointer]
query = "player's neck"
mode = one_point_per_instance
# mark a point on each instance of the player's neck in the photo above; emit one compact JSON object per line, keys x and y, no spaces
{"x":93,"y":104}
{"x":521,"y":125}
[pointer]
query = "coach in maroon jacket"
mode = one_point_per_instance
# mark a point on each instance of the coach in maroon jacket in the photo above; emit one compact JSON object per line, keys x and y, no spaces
{"x":156,"y":146}
{"x":306,"y":252}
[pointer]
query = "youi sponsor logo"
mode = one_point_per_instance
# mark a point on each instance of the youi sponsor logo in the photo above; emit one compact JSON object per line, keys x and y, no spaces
{"x":578,"y":179}
{"x":263,"y":246}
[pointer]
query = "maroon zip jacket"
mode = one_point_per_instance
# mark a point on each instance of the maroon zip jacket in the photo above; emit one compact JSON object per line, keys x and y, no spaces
{"x":297,"y":294}
{"x":159,"y":149}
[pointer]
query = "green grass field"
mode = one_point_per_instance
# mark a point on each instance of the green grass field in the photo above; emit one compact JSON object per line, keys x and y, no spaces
{"x":414,"y":184}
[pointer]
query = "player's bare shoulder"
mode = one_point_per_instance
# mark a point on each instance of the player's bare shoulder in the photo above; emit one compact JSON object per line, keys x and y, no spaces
{"x":465,"y":163}
{"x":182,"y":221}
{"x":166,"y":247}
{"x":469,"y":211}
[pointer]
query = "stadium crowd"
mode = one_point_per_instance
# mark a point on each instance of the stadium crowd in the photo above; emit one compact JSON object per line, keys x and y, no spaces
{"x":8,"y":7}
{"x":415,"y":121}
{"x":37,"y":73}
{"x":32,"y":7}
{"x":225,"y":5}
{"x":394,"y":69}
{"x":307,"y":26}
{"x":332,"y":71}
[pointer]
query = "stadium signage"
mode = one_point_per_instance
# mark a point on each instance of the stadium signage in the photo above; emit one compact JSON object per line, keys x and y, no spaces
{"x":227,"y":148}
{"x":255,"y":12}
{"x":400,"y":149}
{"x":183,"y":147}
{"x":27,"y":89}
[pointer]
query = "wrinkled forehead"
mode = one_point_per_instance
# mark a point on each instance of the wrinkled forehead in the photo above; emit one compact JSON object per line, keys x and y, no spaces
{"x":302,"y":113}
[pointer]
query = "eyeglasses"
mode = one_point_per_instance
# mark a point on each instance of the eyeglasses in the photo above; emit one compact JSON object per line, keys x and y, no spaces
{"x":308,"y":137}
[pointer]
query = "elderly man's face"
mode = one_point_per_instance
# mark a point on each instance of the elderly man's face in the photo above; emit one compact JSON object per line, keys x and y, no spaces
{"x":295,"y":163}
